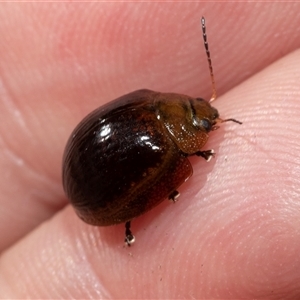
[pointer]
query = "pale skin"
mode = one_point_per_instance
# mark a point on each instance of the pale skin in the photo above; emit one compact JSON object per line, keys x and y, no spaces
{"x":234,"y":231}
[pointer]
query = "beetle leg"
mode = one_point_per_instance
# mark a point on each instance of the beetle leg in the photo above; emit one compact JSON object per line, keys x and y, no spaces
{"x":129,"y":237}
{"x":173,"y":196}
{"x":207,"y":154}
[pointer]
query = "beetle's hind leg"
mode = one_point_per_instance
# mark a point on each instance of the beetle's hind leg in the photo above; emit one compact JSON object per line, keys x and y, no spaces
{"x":129,"y":237}
{"x":174,"y":196}
{"x":206,"y":154}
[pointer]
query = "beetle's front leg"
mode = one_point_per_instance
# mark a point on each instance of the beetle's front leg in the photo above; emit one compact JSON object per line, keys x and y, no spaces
{"x":206,"y":154}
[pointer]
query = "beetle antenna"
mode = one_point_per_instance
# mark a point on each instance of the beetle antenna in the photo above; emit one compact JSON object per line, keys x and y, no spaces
{"x":214,"y":92}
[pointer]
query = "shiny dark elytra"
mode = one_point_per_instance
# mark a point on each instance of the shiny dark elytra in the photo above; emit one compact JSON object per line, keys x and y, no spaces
{"x":129,"y":155}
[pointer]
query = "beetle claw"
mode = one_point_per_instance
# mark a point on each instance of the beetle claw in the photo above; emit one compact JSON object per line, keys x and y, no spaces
{"x":173,"y":196}
{"x":129,"y":237}
{"x":207,"y":154}
{"x":129,"y":240}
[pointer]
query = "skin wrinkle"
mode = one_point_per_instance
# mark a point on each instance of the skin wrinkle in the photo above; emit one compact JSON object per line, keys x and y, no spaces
{"x":7,"y":98}
{"x":14,"y":156}
{"x":19,"y":162}
{"x":33,"y":196}
{"x":91,"y":268}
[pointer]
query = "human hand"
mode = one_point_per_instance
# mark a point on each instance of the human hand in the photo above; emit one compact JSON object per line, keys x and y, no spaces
{"x":234,"y":232}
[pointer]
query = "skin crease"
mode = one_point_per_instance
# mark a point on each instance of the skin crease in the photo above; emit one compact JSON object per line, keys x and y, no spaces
{"x":234,"y":233}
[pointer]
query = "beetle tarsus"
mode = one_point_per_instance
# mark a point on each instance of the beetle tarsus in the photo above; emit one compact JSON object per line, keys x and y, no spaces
{"x":129,"y":237}
{"x":232,"y":120}
{"x":174,"y":196}
{"x":207,"y":154}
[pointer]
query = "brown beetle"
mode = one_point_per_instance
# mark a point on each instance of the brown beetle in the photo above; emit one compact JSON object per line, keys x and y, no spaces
{"x":129,"y":155}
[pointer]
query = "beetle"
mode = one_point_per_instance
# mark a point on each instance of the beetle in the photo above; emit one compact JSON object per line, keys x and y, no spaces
{"x":128,"y":155}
